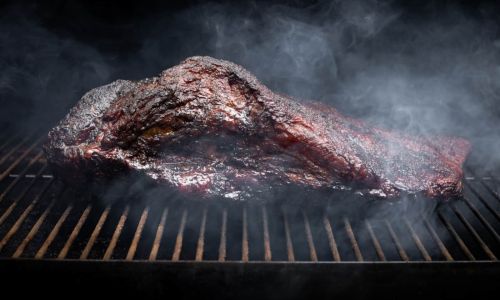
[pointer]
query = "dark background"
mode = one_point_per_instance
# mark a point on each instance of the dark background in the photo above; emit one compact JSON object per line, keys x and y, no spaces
{"x":420,"y":66}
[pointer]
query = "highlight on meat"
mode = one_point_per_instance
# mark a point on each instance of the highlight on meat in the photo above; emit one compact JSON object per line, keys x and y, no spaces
{"x":209,"y":127}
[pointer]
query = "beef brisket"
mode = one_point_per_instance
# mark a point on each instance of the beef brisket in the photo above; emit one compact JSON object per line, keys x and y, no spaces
{"x":208,"y":127}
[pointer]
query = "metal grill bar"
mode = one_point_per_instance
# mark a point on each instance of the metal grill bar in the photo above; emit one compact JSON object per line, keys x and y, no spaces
{"x":180,"y":237}
{"x":376,"y":243}
{"x":457,"y":238}
{"x":33,"y":230}
{"x":74,"y":233}
{"x":417,"y":241}
{"x":310,"y":240}
{"x":483,"y":245}
{"x":395,"y":239}
{"x":244,"y":243}
{"x":222,"y":245}
{"x":331,"y":239}
{"x":159,"y":234}
{"x":21,"y":196}
{"x":45,"y":176}
{"x":201,"y":238}
{"x":438,"y":241}
{"x":19,"y":159}
{"x":23,"y":216}
{"x":95,"y":233}
{"x":138,"y":234}
{"x":288,"y":236}
{"x":490,"y":177}
{"x":494,"y":193}
{"x":352,"y":239}
{"x":14,"y":149}
{"x":483,"y":220}
{"x":7,"y":143}
{"x":55,"y":231}
{"x":16,"y":180}
{"x":267,"y":240}
{"x":116,"y":234}
{"x":485,"y":203}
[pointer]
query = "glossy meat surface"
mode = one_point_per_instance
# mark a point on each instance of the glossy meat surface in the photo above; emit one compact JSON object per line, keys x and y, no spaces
{"x":208,"y":127}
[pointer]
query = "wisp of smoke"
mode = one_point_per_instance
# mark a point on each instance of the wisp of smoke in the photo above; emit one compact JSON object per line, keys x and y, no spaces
{"x":438,"y":73}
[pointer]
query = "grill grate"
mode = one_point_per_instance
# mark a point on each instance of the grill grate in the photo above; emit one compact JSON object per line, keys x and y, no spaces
{"x":42,"y":218}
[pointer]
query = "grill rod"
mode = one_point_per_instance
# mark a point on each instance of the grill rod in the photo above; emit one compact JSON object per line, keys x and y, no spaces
{"x":399,"y":247}
{"x":376,"y":243}
{"x":244,"y":240}
{"x":137,"y":234}
{"x":34,"y":230}
{"x":9,"y":141}
{"x":437,"y":239}
{"x":6,"y":172}
{"x":471,"y":229}
{"x":331,"y":238}
{"x":455,"y":235}
{"x":159,"y":233}
{"x":484,"y":202}
{"x":417,"y":241}
{"x":116,"y":234}
{"x":15,"y":227}
{"x":14,"y":149}
{"x":222,"y":244}
{"x":90,"y":243}
{"x":200,"y":245}
{"x":21,"y":196}
{"x":481,"y":218}
{"x":74,"y":233}
{"x":352,"y":239}
{"x":309,"y":237}
{"x":267,"y":240}
{"x":288,"y":236}
{"x":43,"y":249}
{"x":17,"y":179}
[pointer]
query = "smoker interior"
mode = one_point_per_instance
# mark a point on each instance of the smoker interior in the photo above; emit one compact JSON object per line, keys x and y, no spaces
{"x":131,"y":234}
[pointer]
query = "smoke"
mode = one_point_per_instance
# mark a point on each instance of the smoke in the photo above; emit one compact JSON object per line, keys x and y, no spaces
{"x":437,"y":75}
{"x":429,"y":68}
{"x":426,"y":68}
{"x":42,"y":73}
